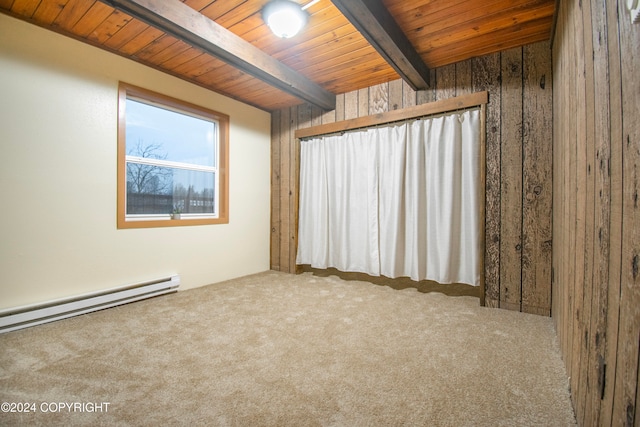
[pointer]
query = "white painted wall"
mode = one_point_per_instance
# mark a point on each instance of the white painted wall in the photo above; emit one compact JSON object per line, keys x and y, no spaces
{"x":58,"y":126}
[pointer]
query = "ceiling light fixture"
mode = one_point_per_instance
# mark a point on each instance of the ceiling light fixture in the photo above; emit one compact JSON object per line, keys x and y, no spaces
{"x":285,"y":18}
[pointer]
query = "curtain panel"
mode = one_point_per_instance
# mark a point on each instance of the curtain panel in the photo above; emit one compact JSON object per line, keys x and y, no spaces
{"x":398,"y":201}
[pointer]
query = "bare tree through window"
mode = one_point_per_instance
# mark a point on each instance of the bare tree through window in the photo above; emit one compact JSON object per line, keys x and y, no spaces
{"x":149,"y":187}
{"x":148,"y":179}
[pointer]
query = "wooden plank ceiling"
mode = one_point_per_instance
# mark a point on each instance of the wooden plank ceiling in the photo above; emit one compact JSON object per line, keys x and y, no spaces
{"x":330,"y":53}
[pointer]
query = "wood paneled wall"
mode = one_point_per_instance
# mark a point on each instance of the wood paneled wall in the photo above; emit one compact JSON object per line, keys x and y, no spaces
{"x":596,"y":217}
{"x":519,"y":166}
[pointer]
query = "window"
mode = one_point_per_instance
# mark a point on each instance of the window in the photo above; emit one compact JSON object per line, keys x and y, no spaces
{"x":172,"y":161}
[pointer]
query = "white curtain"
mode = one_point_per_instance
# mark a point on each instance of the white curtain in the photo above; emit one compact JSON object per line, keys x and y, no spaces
{"x":397,"y":201}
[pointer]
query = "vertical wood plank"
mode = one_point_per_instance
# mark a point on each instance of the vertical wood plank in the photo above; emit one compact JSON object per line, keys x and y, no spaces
{"x":329,"y":116}
{"x":304,"y":119}
{"x":340,"y":107}
{"x":625,"y":411}
{"x":569,"y":254}
{"x":487,"y":76}
{"x":285,"y":188}
{"x":275,"y":190}
{"x":482,"y":213}
{"x":395,"y":95}
{"x":363,"y":102}
{"x":558,"y":181}
{"x":294,"y":206}
{"x":304,"y":116}
{"x":463,"y":77}
{"x":445,"y":82}
{"x":511,"y":183}
{"x":579,"y":120}
{"x":351,"y":105}
{"x":294,"y":182}
{"x":409,"y":95}
{"x":537,"y":182}
{"x":562,"y":178}
{"x":615,"y":244}
{"x":316,"y":116}
{"x":602,"y":207}
{"x":429,"y":94}
{"x":565,"y":145}
{"x":379,"y":98}
{"x":557,"y":272}
{"x":588,"y":115}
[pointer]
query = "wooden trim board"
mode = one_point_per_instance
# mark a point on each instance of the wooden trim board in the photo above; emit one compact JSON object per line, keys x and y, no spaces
{"x":450,"y":104}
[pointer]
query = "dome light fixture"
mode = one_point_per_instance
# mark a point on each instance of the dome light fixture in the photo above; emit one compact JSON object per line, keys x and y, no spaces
{"x":284,"y":17}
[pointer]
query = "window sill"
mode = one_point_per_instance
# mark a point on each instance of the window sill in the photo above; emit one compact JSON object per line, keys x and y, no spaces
{"x":168,"y":221}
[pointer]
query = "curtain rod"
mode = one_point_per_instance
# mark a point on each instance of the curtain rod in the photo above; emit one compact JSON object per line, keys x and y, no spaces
{"x":431,"y":108}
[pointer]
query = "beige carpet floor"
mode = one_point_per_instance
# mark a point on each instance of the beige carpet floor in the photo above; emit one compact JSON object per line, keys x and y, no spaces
{"x":275,"y":349}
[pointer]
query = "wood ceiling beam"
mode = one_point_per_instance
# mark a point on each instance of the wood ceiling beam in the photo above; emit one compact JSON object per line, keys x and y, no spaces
{"x":186,"y":24}
{"x":375,"y":23}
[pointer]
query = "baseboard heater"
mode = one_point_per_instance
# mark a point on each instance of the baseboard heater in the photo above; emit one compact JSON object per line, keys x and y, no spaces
{"x":30,"y":315}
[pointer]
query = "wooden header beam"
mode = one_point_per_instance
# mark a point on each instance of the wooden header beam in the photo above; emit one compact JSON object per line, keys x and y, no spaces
{"x":186,"y":24}
{"x":375,"y":23}
{"x":437,"y":107}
